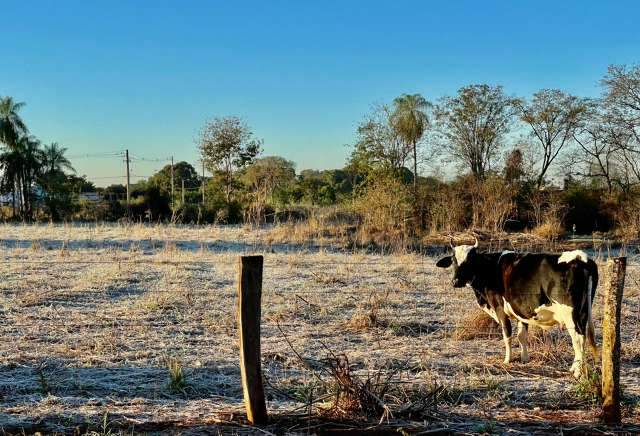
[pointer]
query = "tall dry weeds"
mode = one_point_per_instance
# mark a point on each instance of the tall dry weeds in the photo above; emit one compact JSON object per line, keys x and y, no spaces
{"x":493,"y":203}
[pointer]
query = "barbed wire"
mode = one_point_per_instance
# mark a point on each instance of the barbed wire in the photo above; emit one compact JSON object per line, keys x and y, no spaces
{"x":214,"y":262}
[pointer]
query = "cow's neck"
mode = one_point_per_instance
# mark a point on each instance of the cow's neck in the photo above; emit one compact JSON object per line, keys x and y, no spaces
{"x":486,"y":277}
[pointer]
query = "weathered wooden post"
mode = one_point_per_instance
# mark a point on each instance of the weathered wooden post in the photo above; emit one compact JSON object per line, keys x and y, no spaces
{"x":616,"y":269}
{"x":249,"y":296}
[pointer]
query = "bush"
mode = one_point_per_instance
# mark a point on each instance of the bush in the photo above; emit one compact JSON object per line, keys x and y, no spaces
{"x":385,"y":205}
{"x":493,"y":203}
{"x":628,"y":219}
{"x":446,"y":209}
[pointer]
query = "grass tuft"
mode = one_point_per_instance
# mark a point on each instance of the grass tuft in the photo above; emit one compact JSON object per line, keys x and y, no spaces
{"x":177,"y":381}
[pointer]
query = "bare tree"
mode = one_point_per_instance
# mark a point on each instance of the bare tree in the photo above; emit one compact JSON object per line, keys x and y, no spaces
{"x":600,"y":147}
{"x":622,"y":97}
{"x":471,"y":126}
{"x":553,"y":117}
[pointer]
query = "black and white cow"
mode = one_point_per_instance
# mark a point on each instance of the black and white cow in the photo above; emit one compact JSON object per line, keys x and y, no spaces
{"x":533,"y":289}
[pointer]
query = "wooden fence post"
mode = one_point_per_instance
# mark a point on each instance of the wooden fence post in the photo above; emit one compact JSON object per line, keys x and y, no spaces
{"x":616,"y":269}
{"x":249,"y":296}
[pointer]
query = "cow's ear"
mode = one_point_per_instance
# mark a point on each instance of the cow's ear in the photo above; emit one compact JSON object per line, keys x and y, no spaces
{"x":445,"y":262}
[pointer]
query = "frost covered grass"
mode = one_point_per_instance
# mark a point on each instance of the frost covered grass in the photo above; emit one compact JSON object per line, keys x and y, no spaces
{"x":136,"y":325}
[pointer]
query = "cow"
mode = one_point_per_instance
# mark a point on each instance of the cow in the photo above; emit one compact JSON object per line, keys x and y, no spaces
{"x":536,"y":289}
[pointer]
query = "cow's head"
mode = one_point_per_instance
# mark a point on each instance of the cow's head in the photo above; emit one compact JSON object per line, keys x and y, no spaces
{"x":463,"y":264}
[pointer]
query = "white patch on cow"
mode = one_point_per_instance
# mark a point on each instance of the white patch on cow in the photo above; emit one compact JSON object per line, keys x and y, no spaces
{"x":549,"y":315}
{"x":461,"y":252}
{"x":490,"y":312}
{"x":546,"y":316}
{"x":569,"y":256}
{"x":510,"y":312}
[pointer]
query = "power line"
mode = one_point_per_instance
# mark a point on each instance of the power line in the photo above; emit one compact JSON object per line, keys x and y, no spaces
{"x":97,"y":155}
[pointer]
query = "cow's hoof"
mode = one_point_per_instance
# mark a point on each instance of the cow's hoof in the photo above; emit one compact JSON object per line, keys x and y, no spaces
{"x":506,"y":361}
{"x":524,"y":359}
{"x":576,"y":369}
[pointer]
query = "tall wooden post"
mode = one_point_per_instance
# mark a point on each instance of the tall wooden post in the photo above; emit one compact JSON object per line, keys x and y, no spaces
{"x":616,"y":269}
{"x":203,"y":183}
{"x":128,"y":183}
{"x":173,"y":195}
{"x":249,"y":312}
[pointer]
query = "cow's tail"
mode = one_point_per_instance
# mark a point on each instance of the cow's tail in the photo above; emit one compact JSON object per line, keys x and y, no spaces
{"x":592,"y":283}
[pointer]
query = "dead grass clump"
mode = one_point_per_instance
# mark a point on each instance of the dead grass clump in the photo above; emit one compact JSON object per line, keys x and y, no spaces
{"x":548,"y":212}
{"x":369,"y":314}
{"x":551,"y":346}
{"x":550,"y":230}
{"x":493,"y":203}
{"x":447,"y":210}
{"x":628,"y":219}
{"x":477,"y":325}
{"x":354,"y":396}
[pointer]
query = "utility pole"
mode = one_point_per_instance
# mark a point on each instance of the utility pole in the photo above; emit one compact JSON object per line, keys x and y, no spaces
{"x":182,"y":192}
{"x":128,"y":182}
{"x":172,"y":187}
{"x":202,"y":182}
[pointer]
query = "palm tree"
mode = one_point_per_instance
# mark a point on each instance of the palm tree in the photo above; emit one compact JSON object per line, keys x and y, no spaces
{"x":11,"y":125}
{"x":411,"y":121}
{"x":11,"y":128}
{"x":23,"y":165}
{"x":54,"y":159}
{"x":10,"y":164}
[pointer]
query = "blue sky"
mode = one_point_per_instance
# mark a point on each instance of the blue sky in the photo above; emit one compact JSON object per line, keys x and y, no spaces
{"x":145,"y":75}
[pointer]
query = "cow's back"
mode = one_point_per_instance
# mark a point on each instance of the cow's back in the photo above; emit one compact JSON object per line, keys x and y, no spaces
{"x":533,"y":280}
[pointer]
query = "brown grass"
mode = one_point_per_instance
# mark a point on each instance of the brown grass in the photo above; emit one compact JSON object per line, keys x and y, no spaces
{"x":97,"y":335}
{"x":476,"y":325}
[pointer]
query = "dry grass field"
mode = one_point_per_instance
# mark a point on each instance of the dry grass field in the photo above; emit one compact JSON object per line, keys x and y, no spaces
{"x":113,"y":329}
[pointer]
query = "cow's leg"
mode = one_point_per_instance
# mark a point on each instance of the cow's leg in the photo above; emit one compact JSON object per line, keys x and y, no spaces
{"x":577,"y":340}
{"x":523,"y":339}
{"x":505,"y":324}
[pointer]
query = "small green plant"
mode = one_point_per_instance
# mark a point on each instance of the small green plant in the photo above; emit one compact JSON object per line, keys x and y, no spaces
{"x":177,"y":380}
{"x":42,"y":382}
{"x":589,"y":386}
{"x":488,"y":427}
{"x":105,"y":431}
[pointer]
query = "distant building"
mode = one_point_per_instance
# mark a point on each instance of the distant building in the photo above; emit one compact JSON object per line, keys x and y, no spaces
{"x":92,"y":197}
{"x":7,"y":200}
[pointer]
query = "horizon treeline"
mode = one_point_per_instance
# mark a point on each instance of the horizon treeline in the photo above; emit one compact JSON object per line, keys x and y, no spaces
{"x":552,"y":162}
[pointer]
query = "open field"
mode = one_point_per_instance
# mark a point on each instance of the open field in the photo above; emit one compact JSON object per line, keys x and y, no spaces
{"x":94,"y":317}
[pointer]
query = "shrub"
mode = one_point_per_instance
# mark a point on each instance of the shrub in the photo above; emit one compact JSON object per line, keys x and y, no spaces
{"x":493,"y":203}
{"x":384,"y":205}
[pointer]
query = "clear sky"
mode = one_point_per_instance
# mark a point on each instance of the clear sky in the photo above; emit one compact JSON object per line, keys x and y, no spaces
{"x":145,"y":75}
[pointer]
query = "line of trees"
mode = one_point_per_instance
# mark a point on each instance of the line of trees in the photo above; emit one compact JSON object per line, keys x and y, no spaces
{"x":33,"y":171}
{"x":513,"y":155}
{"x":549,"y":161}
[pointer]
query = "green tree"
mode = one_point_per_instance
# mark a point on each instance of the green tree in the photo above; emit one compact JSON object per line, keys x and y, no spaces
{"x":182,"y":172}
{"x":379,"y":145}
{"x":227,"y":145}
{"x":54,"y":159}
{"x":11,"y":128}
{"x":11,"y":124}
{"x":263,"y":178}
{"x":54,"y":181}
{"x":410,"y":121}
